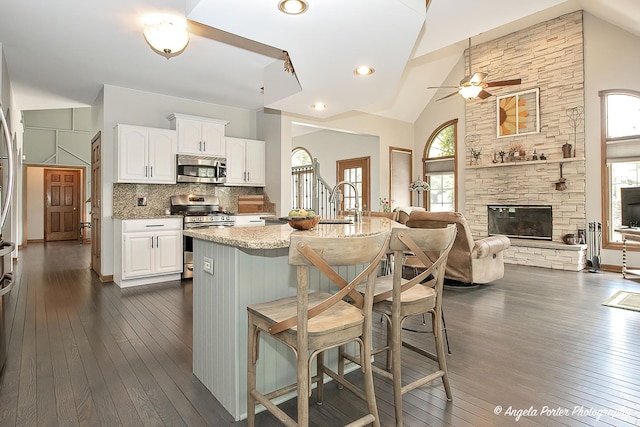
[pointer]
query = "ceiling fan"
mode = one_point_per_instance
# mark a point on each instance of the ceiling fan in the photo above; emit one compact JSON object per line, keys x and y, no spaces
{"x":473,"y":84}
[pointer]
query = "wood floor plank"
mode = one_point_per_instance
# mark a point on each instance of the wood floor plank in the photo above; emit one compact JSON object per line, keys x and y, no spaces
{"x":27,"y":414}
{"x":536,"y":339}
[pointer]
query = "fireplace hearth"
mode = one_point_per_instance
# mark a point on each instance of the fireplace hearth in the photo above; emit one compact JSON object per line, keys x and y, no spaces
{"x":522,"y":221}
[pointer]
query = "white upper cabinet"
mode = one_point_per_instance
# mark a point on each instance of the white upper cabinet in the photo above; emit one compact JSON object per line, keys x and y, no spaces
{"x":145,"y":155}
{"x":199,"y":135}
{"x":245,"y":162}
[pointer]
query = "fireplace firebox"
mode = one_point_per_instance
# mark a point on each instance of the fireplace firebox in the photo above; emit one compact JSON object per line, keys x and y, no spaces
{"x":523,"y":221}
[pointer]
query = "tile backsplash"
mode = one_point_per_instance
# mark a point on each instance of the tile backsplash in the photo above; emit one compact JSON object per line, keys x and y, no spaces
{"x":125,"y":197}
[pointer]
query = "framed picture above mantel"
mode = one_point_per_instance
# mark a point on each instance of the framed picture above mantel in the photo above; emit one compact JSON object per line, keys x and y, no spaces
{"x":518,"y":113}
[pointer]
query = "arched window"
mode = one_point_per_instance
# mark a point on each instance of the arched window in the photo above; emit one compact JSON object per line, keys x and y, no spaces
{"x":620,"y":110}
{"x":439,"y":166}
{"x":301,"y":178}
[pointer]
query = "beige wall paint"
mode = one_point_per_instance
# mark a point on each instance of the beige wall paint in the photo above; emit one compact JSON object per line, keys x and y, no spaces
{"x":35,"y":203}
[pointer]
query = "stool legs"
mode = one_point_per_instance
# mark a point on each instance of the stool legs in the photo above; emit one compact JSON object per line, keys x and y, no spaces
{"x":252,"y":359}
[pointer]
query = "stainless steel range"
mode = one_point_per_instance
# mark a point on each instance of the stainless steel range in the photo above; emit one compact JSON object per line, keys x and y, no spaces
{"x":200,"y":212}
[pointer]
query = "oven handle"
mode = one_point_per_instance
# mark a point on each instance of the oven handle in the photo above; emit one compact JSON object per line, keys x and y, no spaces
{"x":192,"y":227}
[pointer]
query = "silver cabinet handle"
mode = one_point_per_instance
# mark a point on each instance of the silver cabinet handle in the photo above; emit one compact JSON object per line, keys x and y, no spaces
{"x":151,"y":171}
{"x":199,"y":145}
{"x":157,"y":242}
{"x":154,"y":225}
{"x":151,"y":242}
{"x":145,"y":172}
{"x":248,"y":176}
{"x":204,"y":146}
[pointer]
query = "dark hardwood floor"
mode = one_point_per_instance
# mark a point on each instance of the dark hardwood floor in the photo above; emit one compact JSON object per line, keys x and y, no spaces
{"x":535,"y":348}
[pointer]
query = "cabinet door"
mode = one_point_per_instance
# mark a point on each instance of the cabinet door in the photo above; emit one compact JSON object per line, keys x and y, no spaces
{"x":137,"y":254}
{"x":235,"y":161}
{"x":132,"y":154}
{"x":213,"y":143}
{"x":162,"y":156}
{"x":168,"y":253}
{"x":255,"y":163}
{"x":189,"y":136}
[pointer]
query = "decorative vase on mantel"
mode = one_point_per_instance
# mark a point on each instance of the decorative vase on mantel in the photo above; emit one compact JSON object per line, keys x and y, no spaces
{"x":566,"y":150}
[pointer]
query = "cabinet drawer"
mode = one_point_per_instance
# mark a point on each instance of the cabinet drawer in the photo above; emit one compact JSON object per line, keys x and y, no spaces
{"x":134,"y":225}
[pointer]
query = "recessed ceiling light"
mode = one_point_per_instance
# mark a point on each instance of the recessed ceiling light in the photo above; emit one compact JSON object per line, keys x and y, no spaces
{"x":363,"y":70}
{"x":319,"y":106}
{"x":293,"y":7}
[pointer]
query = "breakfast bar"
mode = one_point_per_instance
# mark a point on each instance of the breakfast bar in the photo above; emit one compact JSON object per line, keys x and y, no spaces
{"x":235,"y":267}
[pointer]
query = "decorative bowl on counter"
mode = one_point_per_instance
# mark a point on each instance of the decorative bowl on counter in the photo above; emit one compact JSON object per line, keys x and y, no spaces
{"x":303,"y":222}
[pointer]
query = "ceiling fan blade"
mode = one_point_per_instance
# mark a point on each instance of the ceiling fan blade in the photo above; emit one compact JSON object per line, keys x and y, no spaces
{"x":504,"y":83}
{"x":484,"y":94}
{"x":448,"y":96}
{"x":477,"y":78}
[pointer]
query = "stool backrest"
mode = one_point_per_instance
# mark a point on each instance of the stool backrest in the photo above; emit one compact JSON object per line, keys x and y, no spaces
{"x":324,"y":253}
{"x":430,"y":246}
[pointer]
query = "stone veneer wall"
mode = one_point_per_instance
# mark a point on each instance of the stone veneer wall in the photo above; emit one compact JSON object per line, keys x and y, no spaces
{"x":548,"y":56}
{"x":125,"y":197}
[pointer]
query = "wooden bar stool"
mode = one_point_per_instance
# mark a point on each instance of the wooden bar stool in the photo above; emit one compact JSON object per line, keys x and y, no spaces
{"x":397,"y":299}
{"x":313,"y":322}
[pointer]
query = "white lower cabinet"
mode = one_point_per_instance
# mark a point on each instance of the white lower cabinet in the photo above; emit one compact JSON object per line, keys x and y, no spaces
{"x":147,"y":251}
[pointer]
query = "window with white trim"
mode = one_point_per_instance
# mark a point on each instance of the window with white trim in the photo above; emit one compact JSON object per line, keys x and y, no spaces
{"x":439,"y":162}
{"x":620,"y":111}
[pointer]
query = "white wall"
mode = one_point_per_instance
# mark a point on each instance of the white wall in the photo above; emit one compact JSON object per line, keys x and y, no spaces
{"x":388,"y":131}
{"x":328,"y":146}
{"x":121,"y":105}
{"x":612,"y":61}
{"x":434,"y":115}
{"x":35,"y":203}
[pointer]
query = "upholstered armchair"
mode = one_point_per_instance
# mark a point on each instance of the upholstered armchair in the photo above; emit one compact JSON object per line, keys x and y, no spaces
{"x":405,"y":211}
{"x":470,"y":261}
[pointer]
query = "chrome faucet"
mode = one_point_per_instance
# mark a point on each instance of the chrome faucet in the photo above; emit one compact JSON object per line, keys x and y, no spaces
{"x":332,"y":198}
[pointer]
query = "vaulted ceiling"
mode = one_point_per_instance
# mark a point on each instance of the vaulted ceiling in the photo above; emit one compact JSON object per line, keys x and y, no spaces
{"x":59,"y":54}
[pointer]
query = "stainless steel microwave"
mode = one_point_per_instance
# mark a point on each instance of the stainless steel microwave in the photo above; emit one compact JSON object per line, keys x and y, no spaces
{"x":204,"y":169}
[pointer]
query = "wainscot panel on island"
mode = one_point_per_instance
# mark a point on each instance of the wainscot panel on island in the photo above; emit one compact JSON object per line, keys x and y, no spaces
{"x":238,"y":266}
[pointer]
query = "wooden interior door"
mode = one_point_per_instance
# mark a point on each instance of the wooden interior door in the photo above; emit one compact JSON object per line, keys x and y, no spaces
{"x":62,"y":204}
{"x":356,"y":171}
{"x":96,"y":195}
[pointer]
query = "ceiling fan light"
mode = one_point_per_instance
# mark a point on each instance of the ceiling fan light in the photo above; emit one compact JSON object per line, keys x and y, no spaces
{"x":470,"y":91}
{"x":293,"y":7}
{"x":166,"y":34}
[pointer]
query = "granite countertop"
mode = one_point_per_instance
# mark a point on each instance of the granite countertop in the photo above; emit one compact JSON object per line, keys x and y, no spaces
{"x":277,"y":236}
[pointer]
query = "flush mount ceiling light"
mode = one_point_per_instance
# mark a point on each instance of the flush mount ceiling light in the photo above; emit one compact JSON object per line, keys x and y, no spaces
{"x":319,"y":106}
{"x":363,"y":70}
{"x":293,"y":7}
{"x":166,"y":34}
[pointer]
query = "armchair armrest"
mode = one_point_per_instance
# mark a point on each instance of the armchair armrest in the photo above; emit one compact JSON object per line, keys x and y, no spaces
{"x":488,"y":246}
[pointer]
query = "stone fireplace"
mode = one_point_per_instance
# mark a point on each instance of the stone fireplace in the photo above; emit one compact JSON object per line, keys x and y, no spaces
{"x":548,"y":56}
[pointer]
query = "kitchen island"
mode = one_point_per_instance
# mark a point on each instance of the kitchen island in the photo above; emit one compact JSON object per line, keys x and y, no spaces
{"x":233,"y":268}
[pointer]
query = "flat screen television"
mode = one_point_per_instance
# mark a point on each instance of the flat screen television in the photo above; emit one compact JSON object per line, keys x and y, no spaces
{"x":630,"y":201}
